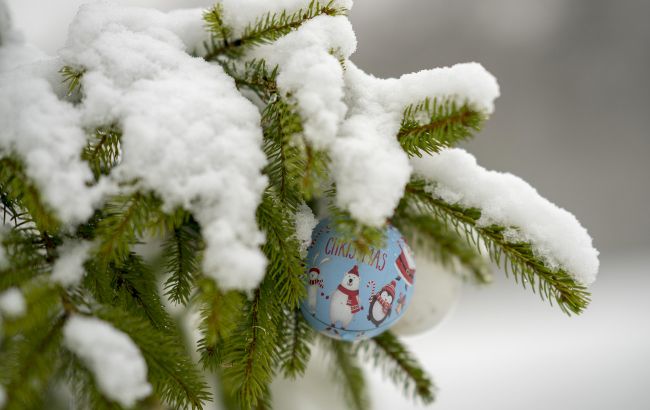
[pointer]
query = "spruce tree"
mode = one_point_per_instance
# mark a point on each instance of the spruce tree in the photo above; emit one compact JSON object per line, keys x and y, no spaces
{"x":78,"y":261}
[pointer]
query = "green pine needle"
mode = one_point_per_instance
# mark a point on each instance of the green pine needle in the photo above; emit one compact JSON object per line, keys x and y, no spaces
{"x":103,"y":152}
{"x":28,"y":361}
{"x":182,"y":261}
{"x":431,"y":125}
{"x":285,"y":265}
{"x":171,"y":371}
{"x":347,"y":372}
{"x":251,"y":352}
{"x":444,"y":244}
{"x":72,"y":77}
{"x":220,"y":313}
{"x":18,"y":188}
{"x":265,"y":29}
{"x":295,"y":348}
{"x":396,"y":362}
{"x":517,"y":258}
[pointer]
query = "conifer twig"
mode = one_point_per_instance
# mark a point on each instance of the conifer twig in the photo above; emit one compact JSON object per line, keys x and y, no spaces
{"x":345,"y":369}
{"x":516,"y":257}
{"x":432,"y":125}
{"x":387,"y":353}
{"x":265,"y":29}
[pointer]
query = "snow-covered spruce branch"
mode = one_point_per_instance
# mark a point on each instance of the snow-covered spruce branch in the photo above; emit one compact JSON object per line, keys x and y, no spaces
{"x":266,"y":29}
{"x":19,"y":193}
{"x":171,"y":371}
{"x":272,"y":116}
{"x":103,"y":152}
{"x":516,"y":257}
{"x":396,"y":362}
{"x":432,"y":125}
{"x":428,"y":233}
{"x":295,"y":168}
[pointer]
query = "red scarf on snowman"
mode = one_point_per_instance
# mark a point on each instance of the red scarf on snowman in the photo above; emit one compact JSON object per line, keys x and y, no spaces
{"x":353,"y":298}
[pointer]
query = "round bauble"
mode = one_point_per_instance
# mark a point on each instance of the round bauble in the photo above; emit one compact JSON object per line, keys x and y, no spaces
{"x":437,"y":293}
{"x":353,"y":295}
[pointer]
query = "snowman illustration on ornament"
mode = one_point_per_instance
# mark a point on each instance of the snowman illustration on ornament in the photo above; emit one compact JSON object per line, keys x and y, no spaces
{"x":344,"y":302}
{"x":315,"y":283}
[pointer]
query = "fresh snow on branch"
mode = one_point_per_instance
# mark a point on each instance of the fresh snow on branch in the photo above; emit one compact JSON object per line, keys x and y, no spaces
{"x":238,"y":14}
{"x":114,"y":359}
{"x":188,"y":135}
{"x":311,"y":73}
{"x":68,"y":269}
{"x":44,"y":131}
{"x":305,"y":224}
{"x":505,"y":199}
{"x":12,"y":303}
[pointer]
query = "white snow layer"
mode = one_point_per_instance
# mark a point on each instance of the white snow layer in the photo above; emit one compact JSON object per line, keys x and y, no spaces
{"x":238,"y":14}
{"x":115,"y":361}
{"x":188,"y":134}
{"x":12,"y":303}
{"x":305,"y":224}
{"x":355,"y":116}
{"x":44,"y":131}
{"x":68,"y":268}
{"x":505,"y":199}
{"x":193,"y":139}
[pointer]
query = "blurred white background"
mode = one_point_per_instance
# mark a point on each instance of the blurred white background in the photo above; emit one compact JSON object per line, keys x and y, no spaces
{"x":573,"y":121}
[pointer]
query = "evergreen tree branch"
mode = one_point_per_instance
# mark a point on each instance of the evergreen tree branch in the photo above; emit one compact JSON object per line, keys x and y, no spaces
{"x":103,"y":153}
{"x":444,"y":243}
{"x":362,"y":236}
{"x":347,"y":372}
{"x":131,"y":285}
{"x":220,"y":313}
{"x":28,"y":361}
{"x":124,"y":219}
{"x":285,"y":266}
{"x":26,"y":258}
{"x":251,"y":352}
{"x":295,"y":168}
{"x":182,"y":260}
{"x":265,"y":29}
{"x":171,"y":371}
{"x":516,"y":257}
{"x":72,"y":77}
{"x":294,"y":348}
{"x":396,"y":362}
{"x":431,"y":125}
{"x":19,"y":189}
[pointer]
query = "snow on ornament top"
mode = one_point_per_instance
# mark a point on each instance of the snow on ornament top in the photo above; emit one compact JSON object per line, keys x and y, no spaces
{"x":354,"y":296}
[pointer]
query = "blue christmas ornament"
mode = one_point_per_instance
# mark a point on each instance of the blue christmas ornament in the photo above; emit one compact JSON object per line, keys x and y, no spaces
{"x":352,"y":296}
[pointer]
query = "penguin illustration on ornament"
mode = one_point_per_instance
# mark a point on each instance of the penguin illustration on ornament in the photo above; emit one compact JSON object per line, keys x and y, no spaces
{"x":381,"y":304}
{"x":312,"y":292}
{"x":344,"y":303}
